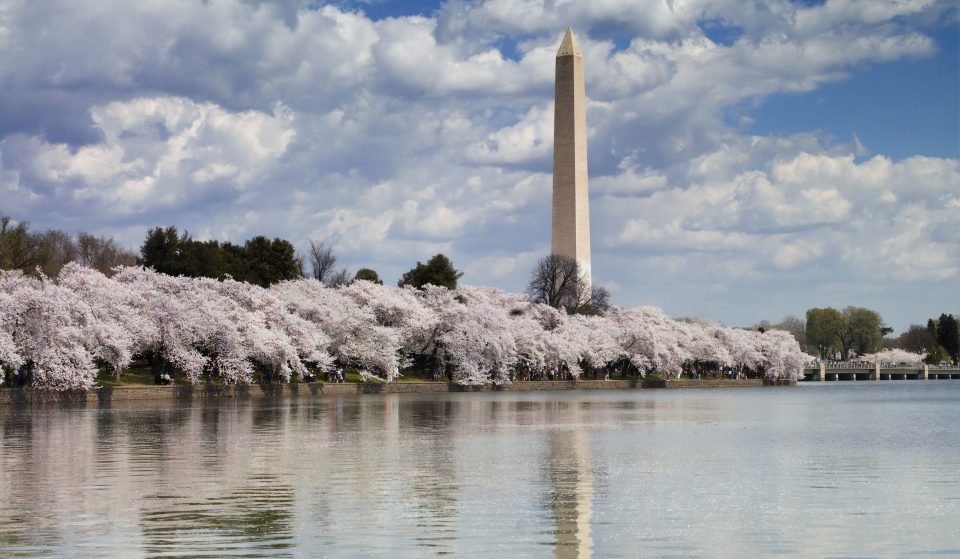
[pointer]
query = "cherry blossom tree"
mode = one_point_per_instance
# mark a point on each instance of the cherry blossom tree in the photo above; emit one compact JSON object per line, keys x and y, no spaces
{"x":782,"y":358}
{"x":356,"y":339}
{"x":534,"y":331}
{"x":175,"y":319}
{"x":743,"y":347}
{"x":49,"y":330}
{"x":402,"y":309}
{"x":114,"y":333}
{"x":268,"y":334}
{"x":706,"y":343}
{"x":653,"y":339}
{"x":476,"y":339}
{"x":9,"y":355}
{"x":893,"y":357}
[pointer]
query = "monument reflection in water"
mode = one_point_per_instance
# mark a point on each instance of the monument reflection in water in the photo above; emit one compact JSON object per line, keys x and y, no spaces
{"x":571,"y":473}
{"x":810,"y":471}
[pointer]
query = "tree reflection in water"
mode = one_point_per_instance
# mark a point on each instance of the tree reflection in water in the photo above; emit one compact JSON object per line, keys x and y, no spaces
{"x":253,"y":518}
{"x":477,"y":475}
{"x":432,"y":471}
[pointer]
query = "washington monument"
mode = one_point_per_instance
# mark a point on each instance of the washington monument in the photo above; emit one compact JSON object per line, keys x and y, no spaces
{"x":571,"y":206}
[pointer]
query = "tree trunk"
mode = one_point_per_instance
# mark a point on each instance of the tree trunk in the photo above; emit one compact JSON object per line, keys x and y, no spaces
{"x":156,"y":366}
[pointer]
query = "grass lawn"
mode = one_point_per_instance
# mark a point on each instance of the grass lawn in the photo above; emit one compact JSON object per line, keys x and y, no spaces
{"x":138,"y":376}
{"x":420,"y":379}
{"x":128,"y":377}
{"x":354,"y":376}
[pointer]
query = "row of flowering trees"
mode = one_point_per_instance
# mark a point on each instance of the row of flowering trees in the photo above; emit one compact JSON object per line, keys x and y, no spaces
{"x":63,"y":330}
{"x":892,"y":357}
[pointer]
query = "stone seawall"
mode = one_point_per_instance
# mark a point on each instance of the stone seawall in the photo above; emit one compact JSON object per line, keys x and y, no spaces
{"x":107,"y":394}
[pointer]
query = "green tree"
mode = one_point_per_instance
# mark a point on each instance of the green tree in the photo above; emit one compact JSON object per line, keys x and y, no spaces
{"x":937,"y":355}
{"x":368,"y":275}
{"x":948,"y":335}
{"x":437,"y":271}
{"x":862,"y":331}
{"x":202,"y":259}
{"x":823,"y":326}
{"x":161,"y":250}
{"x":269,"y":261}
{"x":855,"y":329}
{"x":235,"y":261}
{"x":259,"y":260}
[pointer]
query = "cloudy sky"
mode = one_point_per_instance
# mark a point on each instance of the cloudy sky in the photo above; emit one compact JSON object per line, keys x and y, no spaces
{"x":748,"y":159}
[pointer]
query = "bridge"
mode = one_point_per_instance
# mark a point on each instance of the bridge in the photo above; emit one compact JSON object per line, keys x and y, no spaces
{"x":879,"y":371}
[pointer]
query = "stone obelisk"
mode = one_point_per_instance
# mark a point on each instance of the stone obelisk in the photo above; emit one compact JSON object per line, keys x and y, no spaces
{"x":571,"y":206}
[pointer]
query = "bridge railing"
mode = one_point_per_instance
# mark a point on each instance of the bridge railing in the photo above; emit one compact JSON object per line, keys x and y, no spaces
{"x":861,"y":366}
{"x":848,"y":365}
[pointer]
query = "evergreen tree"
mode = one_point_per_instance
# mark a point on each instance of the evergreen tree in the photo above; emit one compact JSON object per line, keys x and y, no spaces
{"x":161,"y":250}
{"x":202,"y":259}
{"x":437,"y":271}
{"x":948,"y":335}
{"x":269,"y":261}
{"x":368,"y":275}
{"x":259,"y":261}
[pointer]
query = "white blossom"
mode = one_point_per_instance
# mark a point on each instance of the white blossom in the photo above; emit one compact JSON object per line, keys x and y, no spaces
{"x":893,"y":357}
{"x":50,"y":329}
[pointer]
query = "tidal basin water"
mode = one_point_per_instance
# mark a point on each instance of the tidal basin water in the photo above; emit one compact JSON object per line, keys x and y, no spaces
{"x":835,"y":469}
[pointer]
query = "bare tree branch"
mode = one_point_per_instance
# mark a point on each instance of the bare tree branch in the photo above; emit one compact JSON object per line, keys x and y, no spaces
{"x":322,"y":260}
{"x":102,"y":254}
{"x":342,"y":276}
{"x":559,"y":282}
{"x":18,"y":247}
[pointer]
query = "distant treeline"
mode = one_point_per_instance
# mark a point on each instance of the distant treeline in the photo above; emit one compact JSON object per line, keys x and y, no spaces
{"x":259,"y":260}
{"x":264,"y":262}
{"x":826,"y":332}
{"x":840,"y":334}
{"x":50,"y":250}
{"x":939,"y":338}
